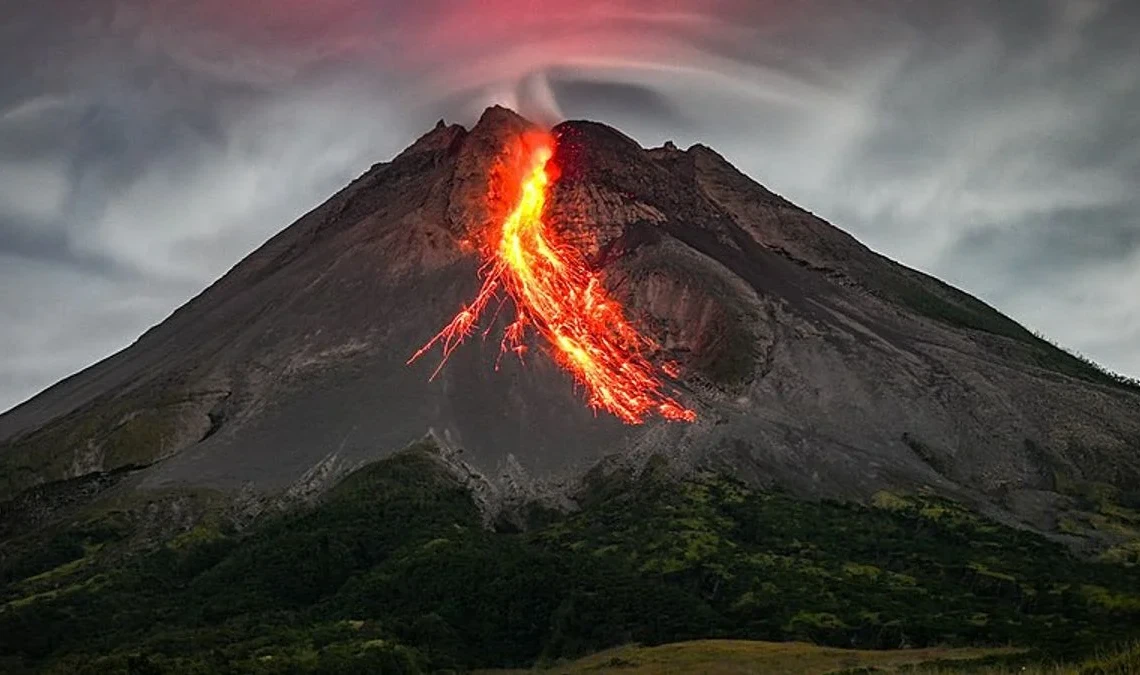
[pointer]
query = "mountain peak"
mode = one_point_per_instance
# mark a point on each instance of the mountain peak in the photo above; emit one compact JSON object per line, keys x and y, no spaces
{"x":441,"y":137}
{"x":814,"y":362}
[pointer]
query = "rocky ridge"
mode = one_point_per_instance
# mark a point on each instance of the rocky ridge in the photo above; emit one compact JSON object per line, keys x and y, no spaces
{"x":814,"y":363}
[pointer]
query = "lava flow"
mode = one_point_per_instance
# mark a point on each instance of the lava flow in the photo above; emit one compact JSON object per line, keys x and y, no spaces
{"x":556,"y":294}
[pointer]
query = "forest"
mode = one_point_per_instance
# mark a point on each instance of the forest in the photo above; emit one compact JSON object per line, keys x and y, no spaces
{"x":397,"y":570}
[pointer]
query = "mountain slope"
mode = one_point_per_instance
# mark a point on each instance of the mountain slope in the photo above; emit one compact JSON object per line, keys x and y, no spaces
{"x":394,"y":565}
{"x":813,"y":363}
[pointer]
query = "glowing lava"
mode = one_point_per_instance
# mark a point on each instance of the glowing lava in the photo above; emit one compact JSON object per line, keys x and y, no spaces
{"x":557,"y":295}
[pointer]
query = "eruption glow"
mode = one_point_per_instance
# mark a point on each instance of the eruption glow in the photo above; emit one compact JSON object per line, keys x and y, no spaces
{"x":557,"y":295}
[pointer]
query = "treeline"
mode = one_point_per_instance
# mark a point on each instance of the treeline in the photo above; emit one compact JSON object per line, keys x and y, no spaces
{"x":394,"y":572}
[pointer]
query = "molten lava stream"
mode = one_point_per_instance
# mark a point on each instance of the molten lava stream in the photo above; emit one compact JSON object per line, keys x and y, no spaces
{"x":557,"y":295}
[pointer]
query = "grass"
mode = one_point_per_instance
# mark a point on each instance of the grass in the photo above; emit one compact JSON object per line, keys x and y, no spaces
{"x":1125,"y":661}
{"x":740,"y":657}
{"x":88,"y":584}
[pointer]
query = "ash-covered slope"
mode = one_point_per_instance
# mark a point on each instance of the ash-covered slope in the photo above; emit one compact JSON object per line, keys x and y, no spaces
{"x":811,"y":361}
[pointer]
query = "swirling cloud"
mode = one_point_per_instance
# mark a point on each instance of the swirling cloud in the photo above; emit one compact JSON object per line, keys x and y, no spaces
{"x":146,"y":145}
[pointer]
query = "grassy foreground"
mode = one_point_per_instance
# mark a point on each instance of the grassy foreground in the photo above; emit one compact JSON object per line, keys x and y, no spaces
{"x":741,"y":657}
{"x":747,"y":657}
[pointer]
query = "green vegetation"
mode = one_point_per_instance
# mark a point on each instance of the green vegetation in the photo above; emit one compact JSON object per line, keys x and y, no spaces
{"x":733,"y":657}
{"x":1101,"y":511}
{"x":937,"y":300}
{"x":113,"y":432}
{"x":109,"y":432}
{"x":1122,"y":661}
{"x":744,"y":657}
{"x":394,"y":572}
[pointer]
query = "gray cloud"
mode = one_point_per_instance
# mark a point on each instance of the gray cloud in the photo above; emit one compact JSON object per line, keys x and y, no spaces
{"x":145,"y":147}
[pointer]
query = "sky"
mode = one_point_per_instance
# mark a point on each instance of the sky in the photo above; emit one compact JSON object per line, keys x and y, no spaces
{"x":146,"y":146}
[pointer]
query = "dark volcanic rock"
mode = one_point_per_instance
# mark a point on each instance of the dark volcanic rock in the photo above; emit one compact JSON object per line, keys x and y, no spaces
{"x":812,"y":362}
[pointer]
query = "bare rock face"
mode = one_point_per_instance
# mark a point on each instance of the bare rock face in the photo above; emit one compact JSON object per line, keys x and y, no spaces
{"x":812,"y":362}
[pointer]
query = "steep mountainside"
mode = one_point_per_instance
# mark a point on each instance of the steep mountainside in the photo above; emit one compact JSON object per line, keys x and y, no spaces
{"x":812,"y":362}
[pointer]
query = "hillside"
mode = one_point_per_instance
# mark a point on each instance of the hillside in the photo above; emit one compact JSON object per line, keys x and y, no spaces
{"x":395,"y":568}
{"x":813,"y":364}
{"x":868,"y":459}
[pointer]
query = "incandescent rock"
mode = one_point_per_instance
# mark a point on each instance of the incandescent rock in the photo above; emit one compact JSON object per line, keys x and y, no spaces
{"x":813,"y":362}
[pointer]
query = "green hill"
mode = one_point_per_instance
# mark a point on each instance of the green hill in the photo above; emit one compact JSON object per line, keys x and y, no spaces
{"x":394,"y":570}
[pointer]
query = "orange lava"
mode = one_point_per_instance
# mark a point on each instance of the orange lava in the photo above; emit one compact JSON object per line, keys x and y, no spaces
{"x":558,"y":296}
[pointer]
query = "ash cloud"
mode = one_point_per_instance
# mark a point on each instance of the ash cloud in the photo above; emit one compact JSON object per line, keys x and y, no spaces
{"x":145,"y":147}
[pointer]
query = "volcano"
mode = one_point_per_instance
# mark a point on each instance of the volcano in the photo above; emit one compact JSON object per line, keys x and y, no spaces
{"x":806,"y":360}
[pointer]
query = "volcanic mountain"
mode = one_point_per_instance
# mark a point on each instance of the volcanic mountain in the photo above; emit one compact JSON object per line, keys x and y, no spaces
{"x":808,"y":361}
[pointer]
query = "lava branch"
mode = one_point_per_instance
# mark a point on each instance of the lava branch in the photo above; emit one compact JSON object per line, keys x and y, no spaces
{"x":557,"y":295}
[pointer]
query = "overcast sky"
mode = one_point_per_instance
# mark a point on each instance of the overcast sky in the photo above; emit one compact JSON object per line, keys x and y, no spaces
{"x":147,"y":145}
